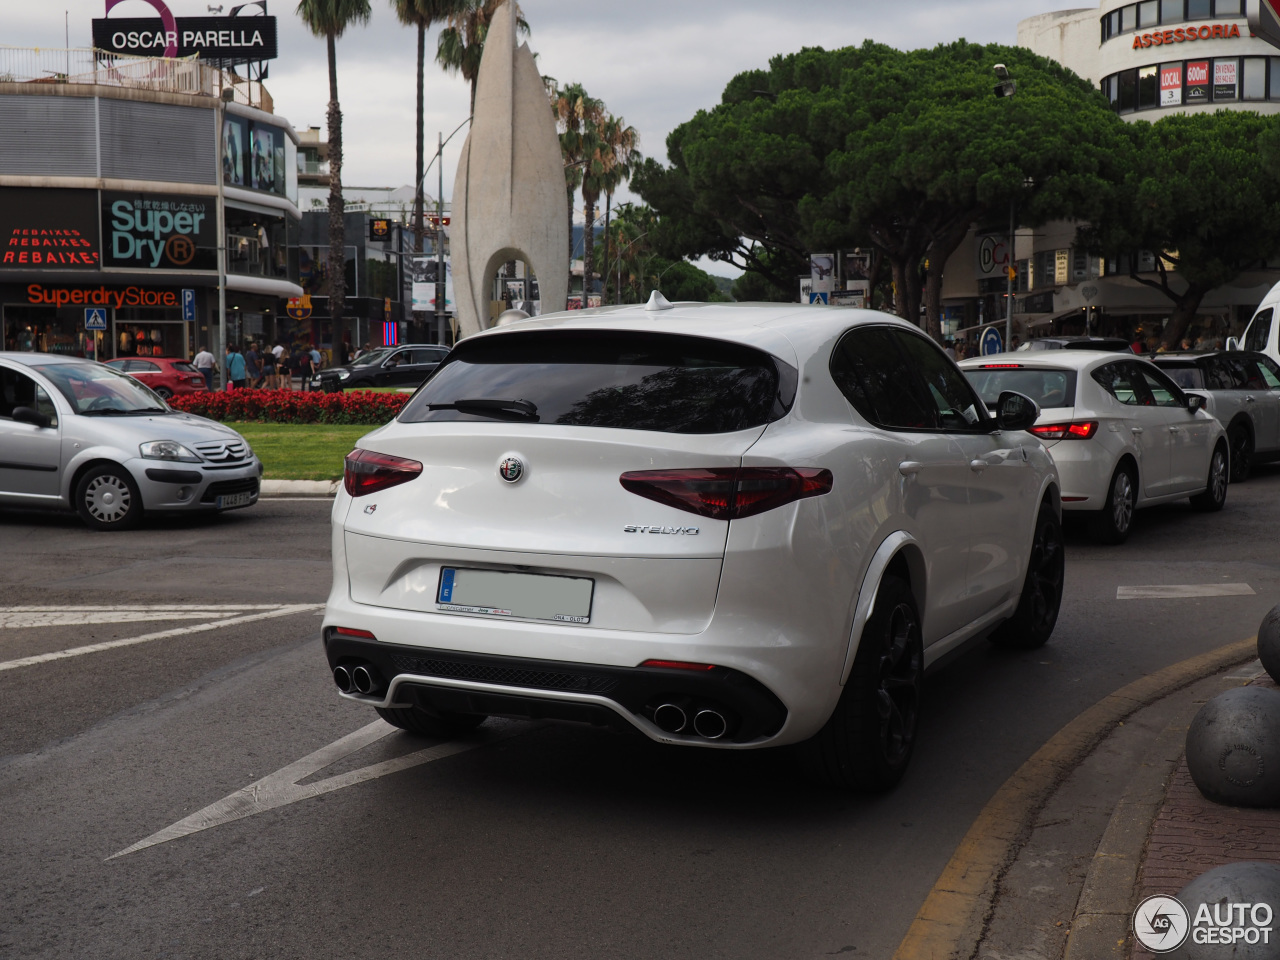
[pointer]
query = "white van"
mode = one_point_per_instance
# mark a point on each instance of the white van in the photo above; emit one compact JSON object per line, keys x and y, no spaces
{"x":1263,"y":333}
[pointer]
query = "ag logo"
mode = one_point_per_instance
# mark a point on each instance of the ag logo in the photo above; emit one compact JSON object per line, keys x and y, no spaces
{"x":180,"y":249}
{"x":1161,"y":924}
{"x":511,"y":469}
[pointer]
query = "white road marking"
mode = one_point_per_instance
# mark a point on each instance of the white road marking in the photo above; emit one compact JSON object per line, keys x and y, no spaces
{"x":1185,"y":591}
{"x":285,"y":611}
{"x":16,"y":617}
{"x":282,"y":787}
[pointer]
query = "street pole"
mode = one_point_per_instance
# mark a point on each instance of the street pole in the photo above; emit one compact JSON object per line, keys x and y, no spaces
{"x":221,"y":349}
{"x":1013,"y":240}
{"x":440,"y":287}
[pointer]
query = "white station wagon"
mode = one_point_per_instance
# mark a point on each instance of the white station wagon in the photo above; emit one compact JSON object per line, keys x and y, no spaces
{"x":728,"y":526}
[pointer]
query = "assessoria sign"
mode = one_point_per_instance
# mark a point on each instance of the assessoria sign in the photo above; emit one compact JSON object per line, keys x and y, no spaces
{"x":1215,"y":31}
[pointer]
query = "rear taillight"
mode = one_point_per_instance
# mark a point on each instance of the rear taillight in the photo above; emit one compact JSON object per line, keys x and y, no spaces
{"x":728,"y":493}
{"x":1080,"y":430}
{"x":368,"y":472}
{"x":678,"y":665}
{"x":353,"y":632}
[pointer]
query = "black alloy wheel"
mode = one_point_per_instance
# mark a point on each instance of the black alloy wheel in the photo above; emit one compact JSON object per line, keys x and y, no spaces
{"x":898,"y":694}
{"x":1032,"y":623}
{"x":1241,"y":442}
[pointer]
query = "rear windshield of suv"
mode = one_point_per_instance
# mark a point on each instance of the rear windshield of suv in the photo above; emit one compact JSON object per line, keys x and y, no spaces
{"x":1048,"y":387}
{"x":1186,"y":375}
{"x":591,"y":378}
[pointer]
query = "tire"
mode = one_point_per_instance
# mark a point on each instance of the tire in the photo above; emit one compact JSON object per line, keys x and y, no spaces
{"x":1214,"y":497}
{"x":107,"y":499}
{"x":1240,"y":440}
{"x":422,"y":724}
{"x":1032,"y":623}
{"x":164,"y":393}
{"x":867,"y":743}
{"x":1112,"y":524}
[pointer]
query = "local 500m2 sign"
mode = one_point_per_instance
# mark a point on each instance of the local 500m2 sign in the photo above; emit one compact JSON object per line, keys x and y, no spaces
{"x":156,"y":231}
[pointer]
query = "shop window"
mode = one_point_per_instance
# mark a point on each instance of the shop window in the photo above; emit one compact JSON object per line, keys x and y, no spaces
{"x":1253,"y":86}
{"x":1227,"y":8}
{"x":1172,"y":11}
{"x":1149,"y":13}
{"x":1128,"y":91}
{"x":1148,"y":88}
{"x":1275,"y":77}
{"x":1128,"y":18}
{"x":1114,"y":27}
{"x":1146,"y":261}
{"x":1199,"y":9}
{"x":256,"y":244}
{"x":1226,"y":80}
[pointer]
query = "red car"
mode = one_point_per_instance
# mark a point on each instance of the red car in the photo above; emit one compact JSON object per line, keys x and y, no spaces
{"x":167,"y":376}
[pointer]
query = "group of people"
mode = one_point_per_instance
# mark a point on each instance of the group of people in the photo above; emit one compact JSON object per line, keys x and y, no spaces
{"x":272,"y":369}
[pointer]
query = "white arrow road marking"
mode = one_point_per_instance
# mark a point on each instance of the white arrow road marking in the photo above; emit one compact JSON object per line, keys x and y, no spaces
{"x":286,"y":611}
{"x":1185,"y":592}
{"x":282,"y":787}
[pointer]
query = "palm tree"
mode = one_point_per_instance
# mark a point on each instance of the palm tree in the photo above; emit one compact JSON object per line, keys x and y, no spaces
{"x":622,"y":142}
{"x":422,"y":14}
{"x":461,"y":43}
{"x":330,"y":19}
{"x":578,"y":117}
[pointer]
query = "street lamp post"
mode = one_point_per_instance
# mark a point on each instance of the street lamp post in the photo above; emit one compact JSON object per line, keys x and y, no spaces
{"x":437,"y":159}
{"x":1006,"y":88}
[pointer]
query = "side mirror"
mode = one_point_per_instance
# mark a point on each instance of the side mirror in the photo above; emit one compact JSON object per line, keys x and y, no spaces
{"x":1195,"y":402}
{"x":31,"y":416}
{"x":1016,"y":412}
{"x":1233,"y":343}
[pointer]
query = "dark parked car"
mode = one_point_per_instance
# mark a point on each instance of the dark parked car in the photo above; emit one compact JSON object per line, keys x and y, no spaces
{"x":1243,"y":390}
{"x":404,"y":366}
{"x":1079,"y":343}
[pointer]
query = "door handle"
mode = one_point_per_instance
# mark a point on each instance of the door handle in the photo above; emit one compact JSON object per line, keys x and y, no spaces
{"x":1137,"y":429}
{"x":977,"y":466}
{"x":909,"y":468}
{"x":1250,"y":400}
{"x":1175,"y":429}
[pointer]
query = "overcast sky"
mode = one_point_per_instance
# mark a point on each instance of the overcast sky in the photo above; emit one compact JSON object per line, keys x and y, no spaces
{"x":654,"y":63}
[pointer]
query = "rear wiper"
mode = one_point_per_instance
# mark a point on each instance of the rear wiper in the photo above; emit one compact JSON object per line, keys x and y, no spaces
{"x":490,"y":408}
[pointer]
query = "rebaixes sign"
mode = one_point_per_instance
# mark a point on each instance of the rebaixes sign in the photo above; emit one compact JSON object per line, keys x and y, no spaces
{"x":155,"y":231}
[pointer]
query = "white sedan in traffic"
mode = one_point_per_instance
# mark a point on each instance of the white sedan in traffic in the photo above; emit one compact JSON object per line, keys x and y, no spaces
{"x":715,"y":525}
{"x":1123,"y":434}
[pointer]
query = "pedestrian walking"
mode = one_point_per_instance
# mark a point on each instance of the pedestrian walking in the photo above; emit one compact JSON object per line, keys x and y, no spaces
{"x":236,"y":371}
{"x":205,"y":363}
{"x":253,"y":366}
{"x":313,"y":363}
{"x":269,"y":379}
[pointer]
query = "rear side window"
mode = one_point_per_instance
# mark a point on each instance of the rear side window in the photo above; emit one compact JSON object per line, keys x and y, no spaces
{"x":876,"y":378}
{"x":1048,"y":388}
{"x":1186,"y":375}
{"x":948,"y":389}
{"x":1162,"y":390}
{"x":1258,"y":336}
{"x":632,"y":381}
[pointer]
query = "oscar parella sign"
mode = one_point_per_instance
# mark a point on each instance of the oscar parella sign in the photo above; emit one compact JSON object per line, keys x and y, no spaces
{"x":48,"y":229}
{"x":224,"y":39}
{"x":159,"y":231}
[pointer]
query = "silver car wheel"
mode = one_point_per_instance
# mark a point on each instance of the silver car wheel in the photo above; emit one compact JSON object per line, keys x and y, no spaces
{"x":1122,"y":502}
{"x":1218,"y":476}
{"x":108,"y":498}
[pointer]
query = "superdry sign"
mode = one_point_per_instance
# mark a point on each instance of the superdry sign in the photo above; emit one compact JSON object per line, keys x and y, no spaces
{"x":224,"y":39}
{"x":158,"y":231}
{"x":1264,"y":20}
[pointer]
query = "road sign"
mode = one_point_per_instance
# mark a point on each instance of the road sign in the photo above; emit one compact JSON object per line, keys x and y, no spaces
{"x":95,"y":318}
{"x":823,"y":298}
{"x":991,"y":342}
{"x":189,"y":305}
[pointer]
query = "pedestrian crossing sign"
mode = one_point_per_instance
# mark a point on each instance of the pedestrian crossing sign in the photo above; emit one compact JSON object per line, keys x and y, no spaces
{"x":95,"y":318}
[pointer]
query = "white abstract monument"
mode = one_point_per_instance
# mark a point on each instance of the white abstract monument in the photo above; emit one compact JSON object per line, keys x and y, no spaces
{"x":509,"y":198}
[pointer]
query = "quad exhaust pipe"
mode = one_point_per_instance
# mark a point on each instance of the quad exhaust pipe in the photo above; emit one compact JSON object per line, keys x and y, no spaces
{"x":342,"y":677}
{"x":358,"y":679}
{"x":706,"y":722}
{"x":710,"y":724}
{"x":670,"y":718}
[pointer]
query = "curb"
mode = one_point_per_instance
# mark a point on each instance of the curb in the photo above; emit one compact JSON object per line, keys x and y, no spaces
{"x":950,"y":923}
{"x":299,"y":488}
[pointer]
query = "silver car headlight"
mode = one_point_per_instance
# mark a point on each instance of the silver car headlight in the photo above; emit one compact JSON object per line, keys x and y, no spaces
{"x":344,"y":374}
{"x":167,"y":450}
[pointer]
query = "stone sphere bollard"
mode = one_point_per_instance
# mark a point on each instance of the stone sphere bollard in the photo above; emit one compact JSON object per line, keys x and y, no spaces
{"x":1269,"y":643}
{"x":1233,"y":748}
{"x":1247,"y":897}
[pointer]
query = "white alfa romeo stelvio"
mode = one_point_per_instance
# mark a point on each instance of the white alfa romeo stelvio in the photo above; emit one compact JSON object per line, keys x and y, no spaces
{"x":717,"y":525}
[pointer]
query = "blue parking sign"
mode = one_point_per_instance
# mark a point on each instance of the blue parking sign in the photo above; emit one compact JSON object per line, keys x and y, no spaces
{"x":189,"y":305}
{"x":991,"y":342}
{"x":95,"y":318}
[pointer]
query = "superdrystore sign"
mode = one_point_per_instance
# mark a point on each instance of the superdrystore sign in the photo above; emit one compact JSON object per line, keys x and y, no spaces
{"x":1207,"y":31}
{"x":100,"y":296}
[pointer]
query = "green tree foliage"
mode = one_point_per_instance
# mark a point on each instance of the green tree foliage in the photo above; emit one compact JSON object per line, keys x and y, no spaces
{"x":871,"y":146}
{"x":1200,"y":190}
{"x":642,"y":269}
{"x":330,"y":19}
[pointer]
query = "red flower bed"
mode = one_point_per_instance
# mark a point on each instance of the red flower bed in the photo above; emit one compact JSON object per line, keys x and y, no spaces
{"x":293,"y":406}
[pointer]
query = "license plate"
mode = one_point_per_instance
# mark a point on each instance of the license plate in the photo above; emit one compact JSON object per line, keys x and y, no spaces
{"x":233,"y":500}
{"x":524,"y":596}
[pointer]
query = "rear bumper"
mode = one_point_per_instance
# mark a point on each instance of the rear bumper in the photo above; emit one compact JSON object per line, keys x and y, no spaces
{"x":622,"y":697}
{"x":1084,"y":470}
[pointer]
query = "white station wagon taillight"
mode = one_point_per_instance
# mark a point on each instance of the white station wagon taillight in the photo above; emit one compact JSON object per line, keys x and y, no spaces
{"x":368,"y":472}
{"x":731,"y":493}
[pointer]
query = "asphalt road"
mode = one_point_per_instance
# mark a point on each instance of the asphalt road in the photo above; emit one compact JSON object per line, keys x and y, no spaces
{"x":531,"y":841}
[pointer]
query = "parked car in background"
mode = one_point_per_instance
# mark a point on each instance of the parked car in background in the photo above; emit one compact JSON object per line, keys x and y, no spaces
{"x":1123,"y":434}
{"x":1243,"y":393}
{"x":167,"y":376}
{"x":1262,"y":335}
{"x":1114,"y":344}
{"x":79,"y":434}
{"x":403,"y":366}
{"x":716,"y":525}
